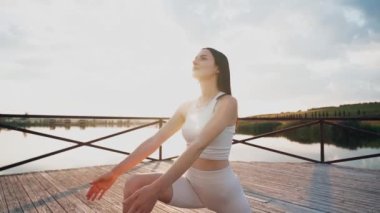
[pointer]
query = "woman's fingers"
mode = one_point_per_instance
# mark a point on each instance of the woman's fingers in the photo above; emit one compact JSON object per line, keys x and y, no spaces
{"x":98,"y":188}
{"x":92,"y":193}
{"x":89,"y":193}
{"x":102,"y":193}
{"x":96,"y":193}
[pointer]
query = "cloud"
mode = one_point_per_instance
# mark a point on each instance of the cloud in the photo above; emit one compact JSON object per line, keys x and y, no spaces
{"x":303,"y":48}
{"x":370,"y":9}
{"x":91,"y":56}
{"x":71,"y":55}
{"x":311,"y":30}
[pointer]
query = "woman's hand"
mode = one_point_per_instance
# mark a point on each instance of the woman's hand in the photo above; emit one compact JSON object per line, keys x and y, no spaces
{"x":101,"y":185}
{"x":142,"y":200}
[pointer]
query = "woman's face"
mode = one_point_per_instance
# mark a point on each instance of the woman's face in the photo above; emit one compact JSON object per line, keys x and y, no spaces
{"x":204,"y":65}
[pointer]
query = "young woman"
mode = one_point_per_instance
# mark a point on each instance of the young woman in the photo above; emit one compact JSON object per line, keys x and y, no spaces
{"x":202,"y":176}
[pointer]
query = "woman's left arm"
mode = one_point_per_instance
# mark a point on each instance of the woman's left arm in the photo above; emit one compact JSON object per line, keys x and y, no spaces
{"x":225,"y":112}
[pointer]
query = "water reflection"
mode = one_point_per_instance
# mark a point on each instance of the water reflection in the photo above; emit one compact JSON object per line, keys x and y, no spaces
{"x":16,"y":146}
{"x":337,"y":136}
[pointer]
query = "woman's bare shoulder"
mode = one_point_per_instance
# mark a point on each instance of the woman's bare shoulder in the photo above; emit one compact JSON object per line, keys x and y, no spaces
{"x":228,"y":98}
{"x":228,"y":101}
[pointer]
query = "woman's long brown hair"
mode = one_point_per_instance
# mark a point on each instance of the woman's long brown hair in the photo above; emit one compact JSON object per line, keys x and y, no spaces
{"x":221,"y":61}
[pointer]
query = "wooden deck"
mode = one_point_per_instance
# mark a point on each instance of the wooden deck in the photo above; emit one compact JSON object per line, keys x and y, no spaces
{"x":270,"y":187}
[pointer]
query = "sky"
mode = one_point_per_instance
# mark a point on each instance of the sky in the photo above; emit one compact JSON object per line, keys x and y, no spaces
{"x":134,"y":58}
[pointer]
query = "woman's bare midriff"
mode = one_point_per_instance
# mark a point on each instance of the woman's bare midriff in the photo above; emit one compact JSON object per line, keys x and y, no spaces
{"x":206,"y":164}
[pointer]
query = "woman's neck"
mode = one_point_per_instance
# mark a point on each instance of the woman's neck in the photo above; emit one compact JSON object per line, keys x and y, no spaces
{"x":208,"y":89}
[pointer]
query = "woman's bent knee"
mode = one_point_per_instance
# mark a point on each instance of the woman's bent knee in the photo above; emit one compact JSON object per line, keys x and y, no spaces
{"x":132,"y":183}
{"x":136,"y":181}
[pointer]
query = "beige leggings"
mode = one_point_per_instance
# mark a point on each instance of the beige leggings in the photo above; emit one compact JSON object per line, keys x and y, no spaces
{"x":218,"y":190}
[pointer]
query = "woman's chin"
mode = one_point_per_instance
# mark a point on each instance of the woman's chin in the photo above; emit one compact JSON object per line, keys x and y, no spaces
{"x":195,"y":75}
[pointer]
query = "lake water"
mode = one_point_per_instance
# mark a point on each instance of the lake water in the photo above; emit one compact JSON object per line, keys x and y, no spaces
{"x":16,"y":146}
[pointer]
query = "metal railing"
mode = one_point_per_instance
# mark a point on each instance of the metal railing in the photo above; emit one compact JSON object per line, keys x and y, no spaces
{"x":161,"y":120}
{"x":313,"y":121}
{"x":158,"y":120}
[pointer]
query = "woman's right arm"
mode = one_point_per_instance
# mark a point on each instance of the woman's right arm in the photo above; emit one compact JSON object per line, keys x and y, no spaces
{"x":152,"y":143}
{"x":104,"y":182}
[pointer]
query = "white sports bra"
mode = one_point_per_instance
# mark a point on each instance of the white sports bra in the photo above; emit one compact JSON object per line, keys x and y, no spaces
{"x":196,"y":118}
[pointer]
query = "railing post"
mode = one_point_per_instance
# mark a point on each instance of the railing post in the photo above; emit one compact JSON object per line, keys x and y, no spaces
{"x":160,"y":149}
{"x":322,"y":142}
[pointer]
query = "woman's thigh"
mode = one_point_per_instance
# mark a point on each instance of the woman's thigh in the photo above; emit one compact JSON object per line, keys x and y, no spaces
{"x":183,"y":195}
{"x":220,"y":190}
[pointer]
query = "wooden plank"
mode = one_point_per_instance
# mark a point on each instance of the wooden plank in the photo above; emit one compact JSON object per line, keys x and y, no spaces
{"x":84,"y":176}
{"x":269,"y":187}
{"x":320,"y":171}
{"x":41,"y":199}
{"x":276,"y":190}
{"x":3,"y":203}
{"x":10,"y":198}
{"x":334,"y":190}
{"x":335,"y":172}
{"x":25,"y":203}
{"x":273,"y":191}
{"x":61,"y":194}
{"x":289,"y":190}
